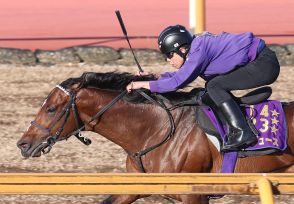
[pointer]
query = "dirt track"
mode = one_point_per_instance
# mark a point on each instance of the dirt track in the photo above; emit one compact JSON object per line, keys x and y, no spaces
{"x":23,"y":90}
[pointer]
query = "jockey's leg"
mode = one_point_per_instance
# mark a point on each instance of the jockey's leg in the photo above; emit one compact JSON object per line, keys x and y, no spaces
{"x":262,"y":71}
{"x":240,"y":134}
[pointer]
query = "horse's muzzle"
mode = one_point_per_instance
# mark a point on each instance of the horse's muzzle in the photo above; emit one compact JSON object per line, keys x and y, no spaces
{"x":27,"y":150}
{"x":23,"y":146}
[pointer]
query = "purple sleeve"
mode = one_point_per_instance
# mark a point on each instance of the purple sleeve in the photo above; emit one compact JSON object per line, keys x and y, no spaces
{"x":166,"y":75}
{"x":189,"y":71}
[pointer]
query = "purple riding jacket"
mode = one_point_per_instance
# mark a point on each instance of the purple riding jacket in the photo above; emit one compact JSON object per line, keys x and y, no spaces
{"x":208,"y":56}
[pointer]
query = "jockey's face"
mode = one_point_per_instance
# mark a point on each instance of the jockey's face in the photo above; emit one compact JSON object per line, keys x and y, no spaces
{"x":176,"y":60}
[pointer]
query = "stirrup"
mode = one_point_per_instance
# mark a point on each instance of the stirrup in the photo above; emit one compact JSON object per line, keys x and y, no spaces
{"x":242,"y":145}
{"x":252,"y":127}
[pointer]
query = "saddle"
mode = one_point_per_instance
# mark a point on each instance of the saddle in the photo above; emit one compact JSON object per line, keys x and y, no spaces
{"x":254,"y":97}
{"x":211,"y":120}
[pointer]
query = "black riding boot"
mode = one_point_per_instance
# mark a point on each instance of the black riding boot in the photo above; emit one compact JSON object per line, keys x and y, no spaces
{"x":240,"y":135}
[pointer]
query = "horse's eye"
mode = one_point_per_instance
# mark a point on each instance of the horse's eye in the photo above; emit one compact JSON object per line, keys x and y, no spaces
{"x":51,"y":109}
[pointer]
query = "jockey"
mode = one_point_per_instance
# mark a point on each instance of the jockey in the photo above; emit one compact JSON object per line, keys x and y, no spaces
{"x":226,"y":61}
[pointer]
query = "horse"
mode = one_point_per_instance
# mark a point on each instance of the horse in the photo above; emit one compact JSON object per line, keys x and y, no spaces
{"x":98,"y":102}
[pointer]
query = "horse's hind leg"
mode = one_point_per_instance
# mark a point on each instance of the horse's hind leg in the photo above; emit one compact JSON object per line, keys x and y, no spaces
{"x":120,"y":199}
{"x":194,"y":199}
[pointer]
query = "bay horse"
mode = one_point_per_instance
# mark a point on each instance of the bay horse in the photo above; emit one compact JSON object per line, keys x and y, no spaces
{"x":137,"y":124}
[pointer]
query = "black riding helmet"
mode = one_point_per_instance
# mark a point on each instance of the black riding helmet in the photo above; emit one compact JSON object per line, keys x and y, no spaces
{"x":172,"y":38}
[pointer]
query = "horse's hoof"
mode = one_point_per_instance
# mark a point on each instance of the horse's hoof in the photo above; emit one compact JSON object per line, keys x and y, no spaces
{"x":108,"y":200}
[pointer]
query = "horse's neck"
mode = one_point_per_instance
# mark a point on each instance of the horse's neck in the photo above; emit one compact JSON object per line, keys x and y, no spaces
{"x":126,"y":124}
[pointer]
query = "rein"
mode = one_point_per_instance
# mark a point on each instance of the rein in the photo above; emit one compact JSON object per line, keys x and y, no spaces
{"x":138,"y":155}
{"x":99,"y":113}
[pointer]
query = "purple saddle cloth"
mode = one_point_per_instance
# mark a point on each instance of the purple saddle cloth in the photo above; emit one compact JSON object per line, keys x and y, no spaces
{"x":269,"y":120}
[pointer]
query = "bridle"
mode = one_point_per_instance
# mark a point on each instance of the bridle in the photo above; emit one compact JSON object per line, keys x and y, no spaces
{"x":52,"y":138}
{"x":46,"y":146}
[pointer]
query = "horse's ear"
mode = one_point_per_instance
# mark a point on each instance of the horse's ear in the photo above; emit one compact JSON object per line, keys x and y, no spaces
{"x":76,"y":87}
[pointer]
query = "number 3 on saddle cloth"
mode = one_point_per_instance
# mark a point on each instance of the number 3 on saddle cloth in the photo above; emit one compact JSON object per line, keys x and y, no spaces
{"x":270,"y":124}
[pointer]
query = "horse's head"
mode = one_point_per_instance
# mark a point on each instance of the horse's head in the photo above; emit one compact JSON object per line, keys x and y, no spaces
{"x":58,"y":117}
{"x":55,"y":121}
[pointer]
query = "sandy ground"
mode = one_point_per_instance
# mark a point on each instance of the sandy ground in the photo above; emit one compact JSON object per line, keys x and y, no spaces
{"x":23,"y":90}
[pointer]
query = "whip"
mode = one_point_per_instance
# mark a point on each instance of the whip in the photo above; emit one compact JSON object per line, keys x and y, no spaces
{"x":126,"y":36}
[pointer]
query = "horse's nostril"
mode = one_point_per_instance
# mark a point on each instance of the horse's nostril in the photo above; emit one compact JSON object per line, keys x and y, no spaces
{"x":23,"y":146}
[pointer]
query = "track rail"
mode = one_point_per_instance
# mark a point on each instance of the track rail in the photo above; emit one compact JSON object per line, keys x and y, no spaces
{"x":123,"y":183}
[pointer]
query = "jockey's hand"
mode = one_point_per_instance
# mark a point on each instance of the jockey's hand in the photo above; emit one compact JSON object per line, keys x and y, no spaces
{"x":139,"y":73}
{"x":137,"y":85}
{"x":147,"y":73}
{"x":129,"y":87}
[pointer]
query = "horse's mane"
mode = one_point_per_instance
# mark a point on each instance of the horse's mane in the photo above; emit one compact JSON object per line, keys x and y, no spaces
{"x":116,"y":81}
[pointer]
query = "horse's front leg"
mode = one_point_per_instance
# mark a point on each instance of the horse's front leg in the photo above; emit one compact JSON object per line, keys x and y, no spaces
{"x":120,"y":199}
{"x":125,"y":199}
{"x":194,"y":199}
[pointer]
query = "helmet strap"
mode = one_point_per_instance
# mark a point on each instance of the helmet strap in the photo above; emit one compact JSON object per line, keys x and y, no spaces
{"x":181,"y":54}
